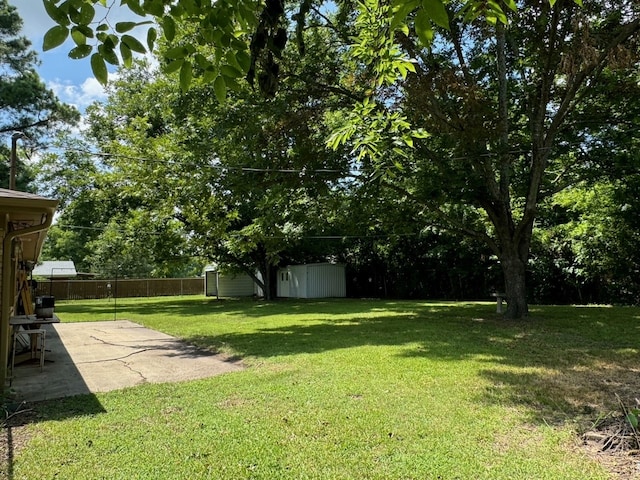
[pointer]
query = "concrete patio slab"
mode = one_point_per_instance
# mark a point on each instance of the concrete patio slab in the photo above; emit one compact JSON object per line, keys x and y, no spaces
{"x":95,"y":357}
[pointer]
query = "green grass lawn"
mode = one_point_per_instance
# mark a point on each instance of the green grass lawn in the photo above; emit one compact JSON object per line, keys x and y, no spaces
{"x":349,"y":389}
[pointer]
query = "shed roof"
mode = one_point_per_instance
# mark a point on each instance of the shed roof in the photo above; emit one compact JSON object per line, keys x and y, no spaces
{"x":56,"y":269}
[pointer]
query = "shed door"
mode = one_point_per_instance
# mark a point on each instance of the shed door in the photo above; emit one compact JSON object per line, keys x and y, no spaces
{"x":283,"y":283}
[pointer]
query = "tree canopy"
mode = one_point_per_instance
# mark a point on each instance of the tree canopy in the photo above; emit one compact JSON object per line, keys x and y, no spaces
{"x":474,"y":114}
{"x":26,"y":105}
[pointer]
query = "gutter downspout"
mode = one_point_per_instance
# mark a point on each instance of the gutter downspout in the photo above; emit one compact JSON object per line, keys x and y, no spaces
{"x":6,"y":290}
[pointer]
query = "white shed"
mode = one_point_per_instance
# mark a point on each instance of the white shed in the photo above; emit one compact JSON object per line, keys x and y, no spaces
{"x":55,"y":269}
{"x":218,"y":284}
{"x":314,"y":280}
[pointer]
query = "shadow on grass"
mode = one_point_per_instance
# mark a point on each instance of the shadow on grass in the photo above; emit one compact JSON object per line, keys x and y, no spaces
{"x":562,"y":363}
{"x":105,"y":309}
{"x":21,"y":406}
{"x":18,"y":415}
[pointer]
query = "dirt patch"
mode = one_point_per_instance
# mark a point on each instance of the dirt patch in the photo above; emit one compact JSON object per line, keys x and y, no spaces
{"x":614,"y":444}
{"x":14,"y":436}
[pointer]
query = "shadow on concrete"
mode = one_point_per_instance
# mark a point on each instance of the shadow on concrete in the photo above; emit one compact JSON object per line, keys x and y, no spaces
{"x":83,"y":359}
{"x":59,"y":378}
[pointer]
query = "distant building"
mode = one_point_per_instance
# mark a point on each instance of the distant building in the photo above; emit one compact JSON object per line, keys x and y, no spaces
{"x":218,"y":284}
{"x":55,"y":270}
{"x":314,"y":280}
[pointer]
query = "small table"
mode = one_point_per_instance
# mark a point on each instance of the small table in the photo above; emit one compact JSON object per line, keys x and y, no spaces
{"x":27,"y":322}
{"x":31,"y":321}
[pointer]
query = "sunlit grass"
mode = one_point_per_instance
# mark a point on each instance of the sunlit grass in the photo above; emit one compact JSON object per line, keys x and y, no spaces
{"x":347,"y":389}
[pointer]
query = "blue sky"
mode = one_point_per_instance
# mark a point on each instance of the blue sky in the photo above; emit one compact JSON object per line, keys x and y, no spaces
{"x":72,"y":80}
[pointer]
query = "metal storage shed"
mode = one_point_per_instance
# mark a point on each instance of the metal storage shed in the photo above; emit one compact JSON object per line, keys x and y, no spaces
{"x":217,"y":284}
{"x":315,"y":280}
{"x":55,"y":269}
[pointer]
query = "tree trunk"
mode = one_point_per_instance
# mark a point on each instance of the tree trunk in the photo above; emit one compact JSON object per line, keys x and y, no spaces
{"x":266,"y":279}
{"x":514,"y":270}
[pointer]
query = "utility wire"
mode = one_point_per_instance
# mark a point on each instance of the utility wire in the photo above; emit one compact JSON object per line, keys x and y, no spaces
{"x":208,"y":165}
{"x":270,"y":237}
{"x":309,"y":170}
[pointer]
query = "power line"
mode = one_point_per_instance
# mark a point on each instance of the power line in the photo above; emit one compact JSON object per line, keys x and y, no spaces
{"x":299,"y":171}
{"x":208,"y":165}
{"x":270,"y":237}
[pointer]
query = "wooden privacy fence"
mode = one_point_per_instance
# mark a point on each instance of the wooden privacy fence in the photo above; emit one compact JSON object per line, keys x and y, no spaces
{"x":120,"y":288}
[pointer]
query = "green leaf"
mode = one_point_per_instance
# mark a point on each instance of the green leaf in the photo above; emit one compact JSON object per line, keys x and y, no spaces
{"x":107,"y":53}
{"x":190,"y":7}
{"x":229,"y":71}
{"x":552,"y":3}
{"x":244,"y":60}
{"x":202,"y":61}
{"x":122,"y":27}
{"x":632,"y":419}
{"x":133,"y":43}
{"x":110,"y":41}
{"x":134,"y":6}
{"x":78,"y":37}
{"x":154,"y":7}
{"x":511,"y":4}
{"x":152,"y":36}
{"x":81,"y":51}
{"x":103,"y":27}
{"x":125,"y":53}
{"x":436,"y":11}
{"x":55,"y":37}
{"x":55,"y":13}
{"x":210,"y":74}
{"x":173,"y":66}
{"x":169,"y":28}
{"x":85,"y":30}
{"x":497,"y":11}
{"x":220,"y":88}
{"x":232,"y":84}
{"x":186,"y":75}
{"x":87,"y":12}
{"x":99,"y":68}
{"x":73,"y":12}
{"x":402,"y":9}
{"x":176,"y":52}
{"x":423,"y":28}
{"x":578,"y":2}
{"x":232,"y":60}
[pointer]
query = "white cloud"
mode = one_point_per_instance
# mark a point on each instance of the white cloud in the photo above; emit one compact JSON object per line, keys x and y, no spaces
{"x":81,"y":96}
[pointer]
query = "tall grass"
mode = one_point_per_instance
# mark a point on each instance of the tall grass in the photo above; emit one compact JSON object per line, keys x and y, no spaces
{"x":349,"y":389}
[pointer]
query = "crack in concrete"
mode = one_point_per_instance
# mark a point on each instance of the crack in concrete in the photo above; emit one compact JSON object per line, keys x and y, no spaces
{"x":104,"y":342}
{"x":116,"y":359}
{"x":144,"y":379}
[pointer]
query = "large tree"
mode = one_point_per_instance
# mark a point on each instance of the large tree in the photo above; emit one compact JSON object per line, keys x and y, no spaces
{"x":500,"y":91}
{"x":26,"y":105}
{"x":505,"y":106}
{"x":243,"y":177}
